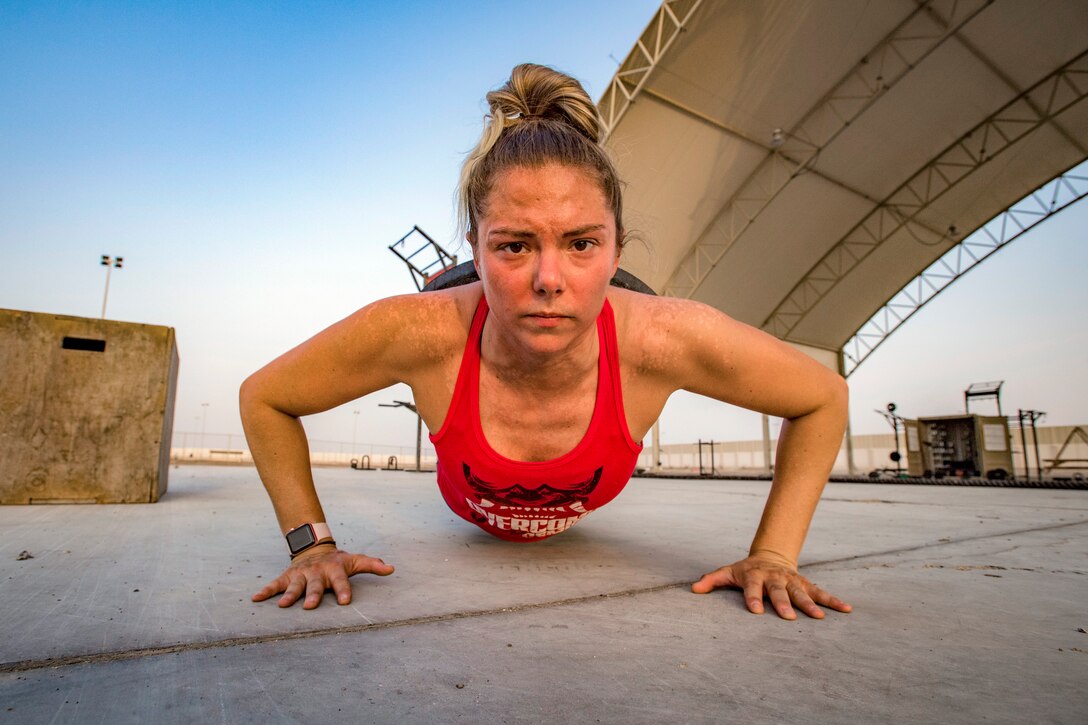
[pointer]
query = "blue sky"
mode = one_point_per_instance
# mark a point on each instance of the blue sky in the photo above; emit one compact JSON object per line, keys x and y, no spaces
{"x":252,"y":162}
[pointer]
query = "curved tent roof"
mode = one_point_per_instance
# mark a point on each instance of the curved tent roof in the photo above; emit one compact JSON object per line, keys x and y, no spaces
{"x":795,"y":163}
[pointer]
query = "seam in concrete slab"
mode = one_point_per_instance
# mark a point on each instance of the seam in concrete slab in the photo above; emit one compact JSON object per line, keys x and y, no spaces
{"x":121,"y":655}
{"x":942,"y":542}
{"x":945,"y":505}
{"x":118,"y":655}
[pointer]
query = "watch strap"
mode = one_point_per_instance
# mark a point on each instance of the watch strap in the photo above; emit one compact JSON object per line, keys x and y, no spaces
{"x":319,"y":533}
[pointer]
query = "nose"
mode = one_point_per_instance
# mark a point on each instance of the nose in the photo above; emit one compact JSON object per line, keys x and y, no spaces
{"x":548,"y":275}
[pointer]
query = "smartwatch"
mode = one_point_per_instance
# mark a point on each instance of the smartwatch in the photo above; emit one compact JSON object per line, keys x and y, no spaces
{"x":301,"y":538}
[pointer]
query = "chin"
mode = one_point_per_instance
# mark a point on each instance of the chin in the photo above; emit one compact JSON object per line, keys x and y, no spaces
{"x":546,"y":341}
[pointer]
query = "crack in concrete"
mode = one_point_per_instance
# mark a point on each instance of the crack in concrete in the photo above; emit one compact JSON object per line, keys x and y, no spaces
{"x":826,"y":497}
{"x":119,"y":655}
{"x":942,"y":504}
{"x":943,"y":542}
{"x":142,"y":652}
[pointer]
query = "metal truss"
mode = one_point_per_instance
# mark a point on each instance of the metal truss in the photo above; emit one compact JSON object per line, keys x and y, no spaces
{"x":1046,"y":201}
{"x":1016,"y":120}
{"x":793,"y":152}
{"x":672,"y":18}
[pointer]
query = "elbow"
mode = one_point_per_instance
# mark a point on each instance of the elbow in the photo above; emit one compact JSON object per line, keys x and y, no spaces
{"x":829,"y":399}
{"x":837,"y":395}
{"x":249,"y":397}
{"x":841,"y":393}
{"x":260,"y":396}
{"x":838,"y":400}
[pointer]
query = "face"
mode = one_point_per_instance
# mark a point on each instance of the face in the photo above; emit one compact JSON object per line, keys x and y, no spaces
{"x":546,"y":249}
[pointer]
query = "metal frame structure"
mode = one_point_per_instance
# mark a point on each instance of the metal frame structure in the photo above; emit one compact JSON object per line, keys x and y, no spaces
{"x":1058,"y":462}
{"x":821,"y":170}
{"x":1030,"y":417}
{"x":983,"y":391}
{"x":419,"y":430}
{"x":791,"y":153}
{"x":671,"y":19}
{"x":1043,"y":203}
{"x":996,"y":134}
{"x":440,"y":261}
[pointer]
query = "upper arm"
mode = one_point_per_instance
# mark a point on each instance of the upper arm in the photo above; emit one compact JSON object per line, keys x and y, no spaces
{"x":704,"y":351}
{"x":390,"y":341}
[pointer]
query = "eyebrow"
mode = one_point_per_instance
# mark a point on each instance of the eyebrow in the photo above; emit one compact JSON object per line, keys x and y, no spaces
{"x":523,"y":234}
{"x":584,"y":230}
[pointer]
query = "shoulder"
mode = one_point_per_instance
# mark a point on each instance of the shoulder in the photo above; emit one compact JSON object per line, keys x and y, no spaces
{"x":413,"y":339}
{"x":418,"y":328}
{"x":656,"y":334}
{"x":682,"y":344}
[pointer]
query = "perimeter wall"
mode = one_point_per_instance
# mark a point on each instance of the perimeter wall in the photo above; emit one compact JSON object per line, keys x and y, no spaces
{"x":871,"y":452}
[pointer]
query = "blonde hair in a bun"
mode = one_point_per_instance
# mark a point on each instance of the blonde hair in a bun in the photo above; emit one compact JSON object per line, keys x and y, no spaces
{"x":539,"y":116}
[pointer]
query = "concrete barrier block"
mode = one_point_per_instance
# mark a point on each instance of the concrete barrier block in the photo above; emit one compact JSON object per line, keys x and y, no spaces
{"x":86,"y":409}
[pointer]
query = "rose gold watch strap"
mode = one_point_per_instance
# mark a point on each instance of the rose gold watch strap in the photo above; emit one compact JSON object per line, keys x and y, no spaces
{"x":322,"y":535}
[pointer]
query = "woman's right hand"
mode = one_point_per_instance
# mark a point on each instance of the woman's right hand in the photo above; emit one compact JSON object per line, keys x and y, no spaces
{"x":323,"y":567}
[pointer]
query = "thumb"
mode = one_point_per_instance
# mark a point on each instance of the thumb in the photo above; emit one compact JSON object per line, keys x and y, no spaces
{"x":718,"y":578}
{"x":361,"y":564}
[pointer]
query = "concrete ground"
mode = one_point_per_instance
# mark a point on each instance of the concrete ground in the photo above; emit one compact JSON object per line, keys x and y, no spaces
{"x":971,"y":605}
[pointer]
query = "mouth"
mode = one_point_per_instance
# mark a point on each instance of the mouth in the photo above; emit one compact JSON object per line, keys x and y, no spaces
{"x":548,"y":316}
{"x":546,"y":319}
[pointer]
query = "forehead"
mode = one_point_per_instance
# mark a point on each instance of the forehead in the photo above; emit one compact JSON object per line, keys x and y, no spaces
{"x":547,"y":194}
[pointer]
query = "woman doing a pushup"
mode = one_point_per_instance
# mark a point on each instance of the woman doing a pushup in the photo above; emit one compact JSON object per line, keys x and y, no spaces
{"x":540,"y":379}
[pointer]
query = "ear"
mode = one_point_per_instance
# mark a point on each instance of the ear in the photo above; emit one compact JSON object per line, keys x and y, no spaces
{"x":470,"y":238}
{"x":620,"y":236}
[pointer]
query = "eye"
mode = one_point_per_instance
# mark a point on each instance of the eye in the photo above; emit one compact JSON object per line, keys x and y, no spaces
{"x":514,"y":247}
{"x":582,"y":245}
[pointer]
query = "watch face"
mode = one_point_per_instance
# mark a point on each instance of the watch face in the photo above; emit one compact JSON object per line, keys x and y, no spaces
{"x":300,"y":538}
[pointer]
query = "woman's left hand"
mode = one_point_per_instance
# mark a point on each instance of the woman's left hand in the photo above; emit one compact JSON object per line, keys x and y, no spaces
{"x":772,"y":576}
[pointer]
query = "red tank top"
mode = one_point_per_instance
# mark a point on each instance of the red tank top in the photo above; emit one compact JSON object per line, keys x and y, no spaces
{"x":530,"y":501}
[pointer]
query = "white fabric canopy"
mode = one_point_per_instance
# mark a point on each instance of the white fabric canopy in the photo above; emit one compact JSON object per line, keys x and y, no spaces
{"x":795,"y":163}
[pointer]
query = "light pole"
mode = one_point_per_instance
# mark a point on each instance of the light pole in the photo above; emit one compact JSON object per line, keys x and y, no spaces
{"x":109,"y":263}
{"x":354,"y":428}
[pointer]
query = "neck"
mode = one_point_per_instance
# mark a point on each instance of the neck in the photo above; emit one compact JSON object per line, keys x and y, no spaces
{"x":533,"y":369}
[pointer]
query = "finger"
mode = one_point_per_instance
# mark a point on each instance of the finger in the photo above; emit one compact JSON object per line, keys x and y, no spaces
{"x":828,"y":600}
{"x":293,"y":591}
{"x":275,"y":586}
{"x":718,"y":578}
{"x":753,"y":594}
{"x":804,"y":602}
{"x":840,"y":606}
{"x":339,"y":583}
{"x":360,"y":564}
{"x":780,"y":600}
{"x":315,"y":589}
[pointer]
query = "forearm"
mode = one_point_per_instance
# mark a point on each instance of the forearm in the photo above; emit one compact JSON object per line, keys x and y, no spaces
{"x":280,"y":451}
{"x":807,"y":449}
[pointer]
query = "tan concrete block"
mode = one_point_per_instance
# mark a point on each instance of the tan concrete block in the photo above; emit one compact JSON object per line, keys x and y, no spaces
{"x":86,"y":409}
